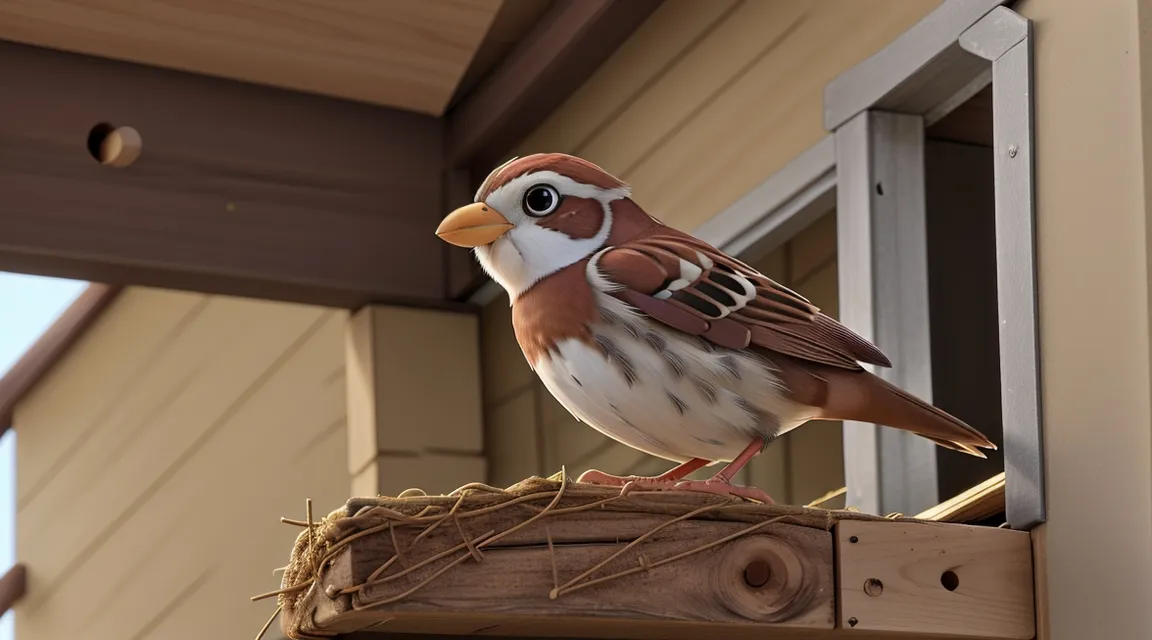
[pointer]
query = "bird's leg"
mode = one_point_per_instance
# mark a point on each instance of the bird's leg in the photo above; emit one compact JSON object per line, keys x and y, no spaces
{"x":677,"y":473}
{"x":721,"y":483}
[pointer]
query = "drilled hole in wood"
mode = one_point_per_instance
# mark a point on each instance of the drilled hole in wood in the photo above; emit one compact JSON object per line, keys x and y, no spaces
{"x":114,"y":146}
{"x":873,"y":587}
{"x":757,"y":574}
{"x":950,"y":580}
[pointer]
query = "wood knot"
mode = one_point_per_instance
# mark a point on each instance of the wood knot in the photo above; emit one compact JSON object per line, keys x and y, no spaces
{"x":763,"y":579}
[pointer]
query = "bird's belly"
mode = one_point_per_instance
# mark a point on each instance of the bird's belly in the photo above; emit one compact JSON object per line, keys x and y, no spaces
{"x":666,"y":395}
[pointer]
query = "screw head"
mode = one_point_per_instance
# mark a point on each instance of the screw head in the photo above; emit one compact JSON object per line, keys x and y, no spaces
{"x":852,"y":622}
{"x":854,"y":539}
{"x":1012,"y":150}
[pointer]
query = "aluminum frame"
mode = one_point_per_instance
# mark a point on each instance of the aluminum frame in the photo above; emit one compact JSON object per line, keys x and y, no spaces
{"x":985,"y":43}
{"x":883,"y":279}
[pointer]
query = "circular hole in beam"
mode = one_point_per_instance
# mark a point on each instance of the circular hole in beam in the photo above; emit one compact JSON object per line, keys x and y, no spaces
{"x":114,"y":146}
{"x":757,"y":574}
{"x":950,"y":580}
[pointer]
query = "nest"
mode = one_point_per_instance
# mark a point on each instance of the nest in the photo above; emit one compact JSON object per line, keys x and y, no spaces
{"x":475,"y":517}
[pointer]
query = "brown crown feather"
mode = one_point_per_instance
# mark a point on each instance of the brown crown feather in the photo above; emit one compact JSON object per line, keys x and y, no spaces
{"x":578,"y":169}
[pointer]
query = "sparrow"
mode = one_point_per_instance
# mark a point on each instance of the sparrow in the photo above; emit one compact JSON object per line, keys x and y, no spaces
{"x":662,"y":342}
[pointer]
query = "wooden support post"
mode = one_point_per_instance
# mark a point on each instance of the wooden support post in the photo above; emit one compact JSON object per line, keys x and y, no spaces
{"x":414,"y":407}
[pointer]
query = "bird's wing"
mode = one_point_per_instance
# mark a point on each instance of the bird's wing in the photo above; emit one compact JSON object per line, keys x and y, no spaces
{"x":687,"y":284}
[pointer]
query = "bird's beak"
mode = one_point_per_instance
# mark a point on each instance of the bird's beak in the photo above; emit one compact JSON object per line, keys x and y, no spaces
{"x":473,"y":226}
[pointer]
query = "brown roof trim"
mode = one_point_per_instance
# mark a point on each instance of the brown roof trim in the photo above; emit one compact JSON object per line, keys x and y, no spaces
{"x":572,"y":40}
{"x":51,"y":348}
{"x":13,"y":586}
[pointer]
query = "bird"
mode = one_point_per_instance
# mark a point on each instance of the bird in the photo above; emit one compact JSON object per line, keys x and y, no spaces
{"x":662,"y":342}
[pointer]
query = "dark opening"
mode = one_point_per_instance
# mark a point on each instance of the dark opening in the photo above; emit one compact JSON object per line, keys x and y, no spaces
{"x":757,"y":573}
{"x":961,"y":230}
{"x":950,"y":580}
{"x":96,"y":138}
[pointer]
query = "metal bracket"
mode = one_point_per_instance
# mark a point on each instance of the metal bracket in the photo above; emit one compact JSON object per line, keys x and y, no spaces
{"x":1003,"y":37}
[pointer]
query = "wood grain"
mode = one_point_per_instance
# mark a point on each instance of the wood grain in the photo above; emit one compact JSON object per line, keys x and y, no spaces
{"x":935,"y":578}
{"x":240,"y":190}
{"x":512,"y":582}
{"x":982,"y":501}
{"x":396,"y":53}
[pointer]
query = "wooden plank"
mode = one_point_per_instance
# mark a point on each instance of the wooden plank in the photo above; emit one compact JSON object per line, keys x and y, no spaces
{"x":981,"y":501}
{"x":51,"y":347}
{"x":780,"y":576}
{"x":13,"y":586}
{"x":1040,"y":562}
{"x":570,"y":42}
{"x":239,"y":190}
{"x":927,"y":578}
{"x":396,"y":53}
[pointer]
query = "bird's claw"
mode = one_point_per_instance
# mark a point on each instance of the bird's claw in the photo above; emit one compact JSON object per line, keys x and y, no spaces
{"x":721,"y":487}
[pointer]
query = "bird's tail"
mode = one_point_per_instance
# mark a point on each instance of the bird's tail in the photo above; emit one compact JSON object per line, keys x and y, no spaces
{"x":857,"y":395}
{"x":864,"y":397}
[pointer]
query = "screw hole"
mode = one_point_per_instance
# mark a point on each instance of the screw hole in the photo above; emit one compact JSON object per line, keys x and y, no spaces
{"x":853,"y":539}
{"x":873,"y":587}
{"x":852,"y":622}
{"x":879,"y":189}
{"x":114,"y":146}
{"x":757,"y":573}
{"x":950,"y":580}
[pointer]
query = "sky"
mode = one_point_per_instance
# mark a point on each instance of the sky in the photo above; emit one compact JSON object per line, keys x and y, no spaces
{"x":28,"y":306}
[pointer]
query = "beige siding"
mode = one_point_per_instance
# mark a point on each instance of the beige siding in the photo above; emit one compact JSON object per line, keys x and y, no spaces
{"x":528,"y":432}
{"x":156,"y":460}
{"x":708,"y":99}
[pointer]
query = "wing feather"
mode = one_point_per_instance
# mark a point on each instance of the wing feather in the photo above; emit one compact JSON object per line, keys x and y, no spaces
{"x":687,"y":284}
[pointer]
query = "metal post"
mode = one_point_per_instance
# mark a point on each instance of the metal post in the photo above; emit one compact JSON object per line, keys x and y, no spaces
{"x":883,"y":269}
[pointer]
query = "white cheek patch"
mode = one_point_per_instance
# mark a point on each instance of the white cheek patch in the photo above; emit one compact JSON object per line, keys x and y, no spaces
{"x":529,"y":252}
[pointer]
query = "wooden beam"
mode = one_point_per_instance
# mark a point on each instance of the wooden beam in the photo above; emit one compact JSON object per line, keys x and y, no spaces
{"x":567,"y":46}
{"x":239,"y":189}
{"x":52,"y":345}
{"x":414,"y":407}
{"x":13,"y":587}
{"x":932,"y":579}
{"x":543,"y":559}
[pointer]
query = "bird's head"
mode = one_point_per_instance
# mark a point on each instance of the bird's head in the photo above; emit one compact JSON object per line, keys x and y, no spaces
{"x":535,"y":215}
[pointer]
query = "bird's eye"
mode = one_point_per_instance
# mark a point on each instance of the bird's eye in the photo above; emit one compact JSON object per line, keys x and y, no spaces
{"x":541,"y":200}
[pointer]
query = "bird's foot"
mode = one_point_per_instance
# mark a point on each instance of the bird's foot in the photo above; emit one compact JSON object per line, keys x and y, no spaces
{"x":720,"y":487}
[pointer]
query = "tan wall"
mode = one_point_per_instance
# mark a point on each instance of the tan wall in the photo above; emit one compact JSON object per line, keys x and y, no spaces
{"x":155,"y":462}
{"x":528,"y":432}
{"x":1094,"y":156}
{"x":708,"y":99}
